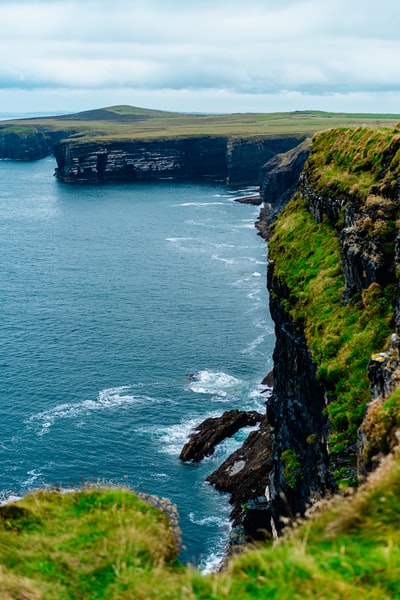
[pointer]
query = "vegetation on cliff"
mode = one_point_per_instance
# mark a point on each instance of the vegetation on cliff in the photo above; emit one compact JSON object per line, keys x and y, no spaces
{"x":105,"y":543}
{"x":341,"y":337}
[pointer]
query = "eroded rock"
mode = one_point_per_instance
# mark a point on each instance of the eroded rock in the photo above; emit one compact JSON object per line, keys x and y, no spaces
{"x":210,"y":432}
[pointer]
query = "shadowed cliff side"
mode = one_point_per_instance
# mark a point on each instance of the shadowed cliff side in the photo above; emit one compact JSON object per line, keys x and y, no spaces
{"x":236,"y":161}
{"x":333,"y":284}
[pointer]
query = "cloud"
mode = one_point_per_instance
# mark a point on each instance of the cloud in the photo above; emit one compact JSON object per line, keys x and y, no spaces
{"x":257,"y":47}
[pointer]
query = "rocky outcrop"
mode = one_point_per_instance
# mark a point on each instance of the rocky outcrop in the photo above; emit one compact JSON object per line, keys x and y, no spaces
{"x":212,"y":431}
{"x":246,"y":157}
{"x":245,"y":474}
{"x":278,"y":180}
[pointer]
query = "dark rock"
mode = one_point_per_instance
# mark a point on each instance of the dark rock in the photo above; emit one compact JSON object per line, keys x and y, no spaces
{"x":246,"y":156}
{"x":148,"y":159}
{"x":254,"y":199}
{"x":368,"y":251}
{"x":245,"y":474}
{"x":236,"y":161}
{"x":210,"y":432}
{"x":269,"y":380}
{"x":24,"y":142}
{"x":279,"y":178}
{"x":296,"y":410}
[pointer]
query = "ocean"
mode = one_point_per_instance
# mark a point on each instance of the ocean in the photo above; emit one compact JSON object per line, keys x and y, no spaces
{"x":129,"y":314}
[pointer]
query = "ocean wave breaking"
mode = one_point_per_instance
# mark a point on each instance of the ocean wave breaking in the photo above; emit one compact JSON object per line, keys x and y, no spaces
{"x":107,"y":399}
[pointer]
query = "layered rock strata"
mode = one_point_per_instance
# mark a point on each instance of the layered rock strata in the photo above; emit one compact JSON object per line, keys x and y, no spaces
{"x":234,"y":161}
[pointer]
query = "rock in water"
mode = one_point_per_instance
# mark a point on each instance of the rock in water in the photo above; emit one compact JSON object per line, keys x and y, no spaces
{"x":210,"y":432}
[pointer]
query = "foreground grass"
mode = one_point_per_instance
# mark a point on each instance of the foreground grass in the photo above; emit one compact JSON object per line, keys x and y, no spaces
{"x":129,"y":122}
{"x":108,"y":544}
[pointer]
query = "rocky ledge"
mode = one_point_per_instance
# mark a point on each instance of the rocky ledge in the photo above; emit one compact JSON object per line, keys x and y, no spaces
{"x":212,"y":431}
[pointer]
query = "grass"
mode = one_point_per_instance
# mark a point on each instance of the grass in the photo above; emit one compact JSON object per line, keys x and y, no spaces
{"x":362,"y":161}
{"x":341,"y":337}
{"x":107,"y":544}
{"x":127,"y":122}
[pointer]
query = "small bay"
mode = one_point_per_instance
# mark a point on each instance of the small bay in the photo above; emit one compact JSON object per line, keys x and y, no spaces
{"x":129,"y":313}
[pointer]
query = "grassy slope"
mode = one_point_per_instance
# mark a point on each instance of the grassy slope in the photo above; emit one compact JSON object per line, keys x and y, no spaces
{"x":127,"y":122}
{"x":360,"y":166}
{"x":107,"y":544}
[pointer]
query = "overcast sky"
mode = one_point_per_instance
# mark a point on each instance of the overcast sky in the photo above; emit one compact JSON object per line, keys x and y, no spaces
{"x":200,"y":55}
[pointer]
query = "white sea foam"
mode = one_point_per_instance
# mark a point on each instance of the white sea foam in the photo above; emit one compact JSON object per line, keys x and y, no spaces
{"x":212,"y":563}
{"x":228,"y":261}
{"x":108,"y":399}
{"x":8,"y":498}
{"x":172,"y":438}
{"x":200,"y":204}
{"x":177,"y":240}
{"x":209,"y":521}
{"x":33,"y":475}
{"x":254,"y":344}
{"x":215,"y":383}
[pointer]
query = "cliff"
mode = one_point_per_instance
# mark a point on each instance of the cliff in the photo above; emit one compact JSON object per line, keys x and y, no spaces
{"x":234,"y":160}
{"x":20,"y":141}
{"x":333,"y":280}
{"x":333,"y":417}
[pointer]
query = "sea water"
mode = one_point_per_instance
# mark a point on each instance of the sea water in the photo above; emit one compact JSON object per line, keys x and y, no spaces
{"x":129,"y":314}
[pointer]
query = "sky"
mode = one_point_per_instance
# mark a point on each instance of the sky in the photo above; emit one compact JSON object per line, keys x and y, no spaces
{"x":220,"y":56}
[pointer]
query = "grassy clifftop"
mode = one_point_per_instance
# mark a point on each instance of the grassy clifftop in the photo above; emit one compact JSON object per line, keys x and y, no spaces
{"x":108,"y":544}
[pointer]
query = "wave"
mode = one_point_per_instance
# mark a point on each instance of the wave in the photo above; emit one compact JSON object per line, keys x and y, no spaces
{"x":177,"y":240}
{"x":254,"y":344}
{"x":107,"y":399}
{"x":216,"y":383}
{"x":209,"y":521}
{"x":228,"y":261}
{"x":201,"y":204}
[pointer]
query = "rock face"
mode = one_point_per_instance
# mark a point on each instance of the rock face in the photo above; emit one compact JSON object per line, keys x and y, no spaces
{"x":23,"y":142}
{"x":278,"y":180}
{"x":288,"y":464}
{"x":236,"y":161}
{"x":212,"y":431}
{"x":245,"y":474}
{"x":246,"y":157}
{"x":179,"y":158}
{"x":296,"y":414}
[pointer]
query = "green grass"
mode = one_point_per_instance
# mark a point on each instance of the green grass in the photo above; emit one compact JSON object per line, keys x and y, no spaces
{"x":341,"y":337}
{"x":127,"y":122}
{"x":107,"y":544}
{"x":359,"y":161}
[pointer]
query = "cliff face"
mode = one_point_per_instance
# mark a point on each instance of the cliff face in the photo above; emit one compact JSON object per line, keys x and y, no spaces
{"x":236,"y":161}
{"x":24,"y":142}
{"x":333,"y":280}
{"x":246,"y":157}
{"x":197,"y":157}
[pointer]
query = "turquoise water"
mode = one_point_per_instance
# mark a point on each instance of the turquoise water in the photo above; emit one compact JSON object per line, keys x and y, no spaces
{"x":111,"y":297}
